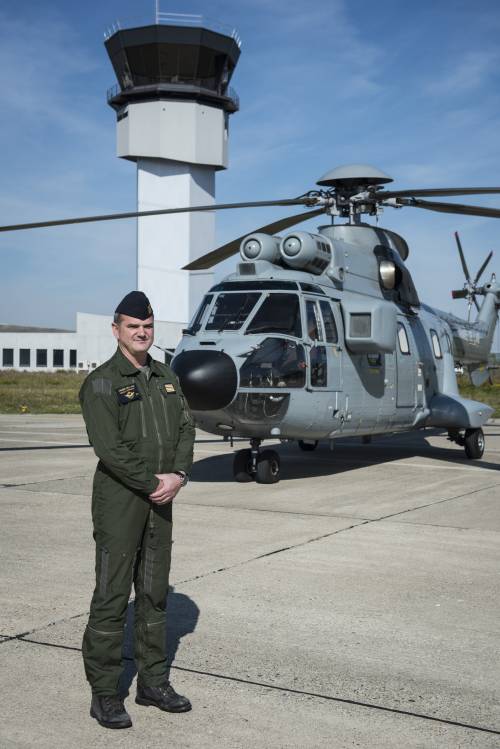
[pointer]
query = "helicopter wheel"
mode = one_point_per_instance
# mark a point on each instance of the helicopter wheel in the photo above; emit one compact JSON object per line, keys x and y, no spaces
{"x":268,"y":467}
{"x":474,"y":443}
{"x":308,"y":446}
{"x":242,"y":464}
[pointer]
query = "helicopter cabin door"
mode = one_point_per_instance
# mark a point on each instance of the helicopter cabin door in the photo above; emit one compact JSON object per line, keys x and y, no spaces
{"x":325,"y":360}
{"x":406,"y":366}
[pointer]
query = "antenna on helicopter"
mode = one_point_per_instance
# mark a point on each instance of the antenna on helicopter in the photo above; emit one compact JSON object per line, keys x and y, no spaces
{"x":470,"y":289}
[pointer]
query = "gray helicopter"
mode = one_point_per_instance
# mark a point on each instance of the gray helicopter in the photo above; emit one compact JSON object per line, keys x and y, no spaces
{"x":321,"y":336}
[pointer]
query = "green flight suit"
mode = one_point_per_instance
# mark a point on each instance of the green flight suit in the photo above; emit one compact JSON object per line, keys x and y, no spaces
{"x":138,"y":427}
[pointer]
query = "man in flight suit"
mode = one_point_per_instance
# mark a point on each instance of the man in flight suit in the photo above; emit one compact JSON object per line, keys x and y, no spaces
{"x":141,"y":430}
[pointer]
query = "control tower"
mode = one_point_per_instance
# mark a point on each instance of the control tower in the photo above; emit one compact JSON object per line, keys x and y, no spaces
{"x":172,"y":105}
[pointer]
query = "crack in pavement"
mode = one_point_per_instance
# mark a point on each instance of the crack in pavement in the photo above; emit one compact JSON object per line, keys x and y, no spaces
{"x":291,"y":690}
{"x":244,"y":562}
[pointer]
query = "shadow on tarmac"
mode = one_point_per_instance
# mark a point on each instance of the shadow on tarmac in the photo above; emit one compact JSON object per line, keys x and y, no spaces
{"x":348,"y":454}
{"x":182,"y":618}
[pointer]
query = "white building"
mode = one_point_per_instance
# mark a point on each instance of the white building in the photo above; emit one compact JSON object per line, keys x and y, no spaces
{"x":33,"y":349}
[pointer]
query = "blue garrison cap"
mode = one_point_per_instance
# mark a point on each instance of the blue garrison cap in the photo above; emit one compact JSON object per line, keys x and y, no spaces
{"x":136,"y":304}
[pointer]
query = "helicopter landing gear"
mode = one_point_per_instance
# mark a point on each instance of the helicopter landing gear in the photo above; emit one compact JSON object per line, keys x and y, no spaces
{"x":474,"y":443}
{"x":472,"y":440}
{"x":251,"y":464}
{"x":268,"y":467}
{"x":308,"y":446}
{"x":242,"y":466}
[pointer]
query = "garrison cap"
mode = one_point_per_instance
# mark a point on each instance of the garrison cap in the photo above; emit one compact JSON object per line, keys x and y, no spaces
{"x":136,"y":304}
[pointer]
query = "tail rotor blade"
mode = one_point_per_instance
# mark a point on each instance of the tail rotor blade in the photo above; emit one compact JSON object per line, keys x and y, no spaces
{"x":462,"y":257}
{"x":481,"y":269}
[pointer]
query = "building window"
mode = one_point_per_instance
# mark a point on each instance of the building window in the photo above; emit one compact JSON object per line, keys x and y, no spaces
{"x":72,"y":357}
{"x":24,"y":357}
{"x":8,"y":357}
{"x":41,"y":357}
{"x":58,"y":357}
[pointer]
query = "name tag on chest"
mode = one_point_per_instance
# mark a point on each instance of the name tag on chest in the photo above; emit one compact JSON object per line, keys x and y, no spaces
{"x":128,"y":393}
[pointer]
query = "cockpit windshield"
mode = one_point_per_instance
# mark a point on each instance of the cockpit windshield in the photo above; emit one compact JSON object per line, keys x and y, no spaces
{"x":278,"y":313}
{"x":195,"y":323}
{"x":230,"y":311}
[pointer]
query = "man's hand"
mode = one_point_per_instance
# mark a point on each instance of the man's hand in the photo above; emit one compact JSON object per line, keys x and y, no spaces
{"x":170,"y":483}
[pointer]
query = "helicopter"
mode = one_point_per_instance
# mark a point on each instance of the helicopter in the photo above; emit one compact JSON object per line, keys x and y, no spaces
{"x":321,"y":336}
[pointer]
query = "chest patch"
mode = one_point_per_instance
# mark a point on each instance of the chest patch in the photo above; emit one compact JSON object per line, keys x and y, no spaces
{"x":168,"y":387}
{"x":128,"y":393}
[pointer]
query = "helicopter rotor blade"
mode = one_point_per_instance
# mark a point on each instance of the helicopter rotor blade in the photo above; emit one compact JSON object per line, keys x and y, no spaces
{"x":459,"y":294}
{"x":481,"y":269}
{"x":463,"y":210}
{"x":462,"y":257}
{"x":475,"y":302}
{"x":160,"y":212}
{"x":436,"y":192}
{"x":231,"y":248}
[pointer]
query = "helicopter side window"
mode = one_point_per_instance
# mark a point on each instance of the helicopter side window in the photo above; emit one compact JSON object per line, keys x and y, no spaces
{"x":278,"y":313}
{"x":318,"y":366}
{"x":275,"y":363}
{"x":195,"y":323}
{"x":447,"y":340}
{"x":231,"y":310}
{"x":330,"y":328}
{"x":404,"y":346}
{"x":436,"y":346}
{"x":313,"y":324}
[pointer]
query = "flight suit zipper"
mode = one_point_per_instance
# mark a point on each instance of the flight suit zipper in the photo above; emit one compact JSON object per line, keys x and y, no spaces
{"x":158,"y":434}
{"x":143,"y":419}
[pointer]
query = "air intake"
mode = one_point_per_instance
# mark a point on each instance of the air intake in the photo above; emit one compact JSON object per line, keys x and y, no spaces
{"x":246,"y":269}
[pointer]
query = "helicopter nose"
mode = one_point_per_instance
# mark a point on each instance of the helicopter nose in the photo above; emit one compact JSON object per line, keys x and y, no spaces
{"x":208,"y":378}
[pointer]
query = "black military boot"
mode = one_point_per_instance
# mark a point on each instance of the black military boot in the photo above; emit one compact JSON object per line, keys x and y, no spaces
{"x":165,"y":697}
{"x":109,"y":711}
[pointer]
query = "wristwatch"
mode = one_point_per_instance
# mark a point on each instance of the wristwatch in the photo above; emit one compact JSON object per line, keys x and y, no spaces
{"x":183,"y":476}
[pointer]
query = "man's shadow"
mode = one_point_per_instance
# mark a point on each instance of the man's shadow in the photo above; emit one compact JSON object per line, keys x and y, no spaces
{"x":182,"y":618}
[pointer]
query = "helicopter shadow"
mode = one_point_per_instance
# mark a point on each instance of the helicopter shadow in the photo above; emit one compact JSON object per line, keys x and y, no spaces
{"x":182,"y":617}
{"x":348,"y":454}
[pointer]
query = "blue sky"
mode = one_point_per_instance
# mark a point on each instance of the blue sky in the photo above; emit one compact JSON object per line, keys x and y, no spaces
{"x":411,"y":88}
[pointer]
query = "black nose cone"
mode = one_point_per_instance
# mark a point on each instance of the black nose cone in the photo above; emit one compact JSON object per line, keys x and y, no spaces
{"x":208,"y":378}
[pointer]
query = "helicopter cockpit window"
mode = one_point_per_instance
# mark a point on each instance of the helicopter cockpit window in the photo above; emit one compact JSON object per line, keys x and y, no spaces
{"x":313,"y":324}
{"x":230,"y":311}
{"x":278,"y":313}
{"x":197,"y":320}
{"x":404,"y":346}
{"x":275,"y":363}
{"x":329,"y":325}
{"x":436,"y":346}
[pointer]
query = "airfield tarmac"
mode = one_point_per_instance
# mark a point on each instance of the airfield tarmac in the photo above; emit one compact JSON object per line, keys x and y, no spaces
{"x":354,"y":604}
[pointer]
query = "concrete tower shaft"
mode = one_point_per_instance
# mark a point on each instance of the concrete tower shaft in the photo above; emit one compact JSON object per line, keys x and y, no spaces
{"x":173,"y":103}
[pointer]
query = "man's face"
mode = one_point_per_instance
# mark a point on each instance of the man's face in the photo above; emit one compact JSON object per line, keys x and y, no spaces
{"x":134,"y":335}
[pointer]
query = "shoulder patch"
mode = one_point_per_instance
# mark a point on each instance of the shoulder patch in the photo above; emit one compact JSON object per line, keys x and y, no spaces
{"x":101,"y":386}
